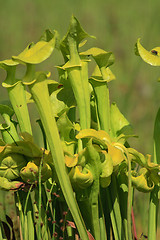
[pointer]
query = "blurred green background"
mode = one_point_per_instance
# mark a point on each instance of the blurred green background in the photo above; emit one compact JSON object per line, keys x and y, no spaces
{"x":116,"y":25}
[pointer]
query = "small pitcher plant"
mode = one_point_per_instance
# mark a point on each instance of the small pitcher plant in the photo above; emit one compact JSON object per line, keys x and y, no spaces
{"x":80,"y":183}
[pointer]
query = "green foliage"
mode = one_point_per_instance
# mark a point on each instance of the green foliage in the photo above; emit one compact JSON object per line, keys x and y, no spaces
{"x":85,"y":171}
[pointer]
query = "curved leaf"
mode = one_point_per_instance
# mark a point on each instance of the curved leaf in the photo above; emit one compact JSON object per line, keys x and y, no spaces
{"x":151,"y":57}
{"x":102,"y":58}
{"x":58,"y":105}
{"x":70,"y":160}
{"x":5,"y":184}
{"x":27,"y":148}
{"x":142,"y":182}
{"x":119,"y":124}
{"x":81,"y":179}
{"x":76,"y":32}
{"x":107,"y":169}
{"x":37,"y":53}
{"x":67,"y":133}
{"x":30,"y":173}
{"x":116,"y":154}
{"x":100,"y":136}
{"x":8,"y":63}
{"x":137,"y":157}
{"x":97,"y":76}
{"x":8,"y":129}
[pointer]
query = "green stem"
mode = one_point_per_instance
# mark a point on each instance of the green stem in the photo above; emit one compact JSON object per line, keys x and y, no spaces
{"x":78,"y":89}
{"x":153,"y":204}
{"x":123,"y":199}
{"x":39,"y":90}
{"x":153,"y":214}
{"x":102,"y":219}
{"x":129,"y":204}
{"x":95,"y":209}
{"x":39,"y":200}
{"x":106,"y":101}
{"x":113,"y":191}
{"x":78,"y":75}
{"x":106,"y":209}
{"x":112,"y":215}
{"x":17,"y":97}
{"x":103,"y":104}
{"x":102,"y":96}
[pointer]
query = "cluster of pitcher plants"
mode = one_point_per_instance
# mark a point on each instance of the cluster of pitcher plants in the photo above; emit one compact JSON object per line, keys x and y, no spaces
{"x":80,"y":183}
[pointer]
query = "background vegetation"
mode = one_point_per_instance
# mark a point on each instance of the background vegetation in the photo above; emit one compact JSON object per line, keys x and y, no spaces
{"x":117,"y":25}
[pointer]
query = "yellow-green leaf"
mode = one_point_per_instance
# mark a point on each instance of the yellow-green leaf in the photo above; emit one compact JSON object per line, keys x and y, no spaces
{"x":71,"y":161}
{"x":76,"y":32}
{"x":8,"y":63}
{"x":30,"y":172}
{"x":97,"y":76}
{"x":142,"y":182}
{"x":37,"y":53}
{"x":151,"y":57}
{"x":102,"y":58}
{"x":137,"y":157}
{"x":116,"y":154}
{"x":79,"y":178}
{"x":5,"y":184}
{"x":119,"y":123}
{"x":100,"y":136}
{"x":107,"y":169}
{"x":105,"y":181}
